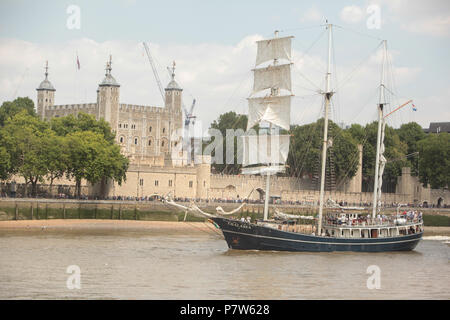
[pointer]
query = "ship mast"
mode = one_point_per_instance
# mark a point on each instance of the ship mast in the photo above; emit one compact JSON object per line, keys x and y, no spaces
{"x":380,"y":137}
{"x":269,"y":151}
{"x":273,"y":92}
{"x":328,"y":95}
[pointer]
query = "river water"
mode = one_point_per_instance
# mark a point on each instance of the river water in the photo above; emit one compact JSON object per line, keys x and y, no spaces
{"x":149,"y":265}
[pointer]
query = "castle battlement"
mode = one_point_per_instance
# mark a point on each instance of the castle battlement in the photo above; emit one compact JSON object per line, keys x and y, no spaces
{"x":136,"y":108}
{"x":79,"y":106}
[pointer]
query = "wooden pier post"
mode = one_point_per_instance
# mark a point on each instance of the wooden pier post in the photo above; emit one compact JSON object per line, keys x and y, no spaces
{"x":32,"y":209}
{"x":17,"y":211}
{"x":64,"y":211}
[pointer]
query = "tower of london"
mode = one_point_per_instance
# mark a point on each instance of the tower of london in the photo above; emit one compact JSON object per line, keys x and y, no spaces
{"x":145,"y":133}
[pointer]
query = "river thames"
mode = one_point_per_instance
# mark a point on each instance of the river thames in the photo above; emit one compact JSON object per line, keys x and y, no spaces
{"x":138,"y":264}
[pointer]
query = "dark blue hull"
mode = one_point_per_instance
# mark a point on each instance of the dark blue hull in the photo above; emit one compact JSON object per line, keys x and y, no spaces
{"x":247,"y":236}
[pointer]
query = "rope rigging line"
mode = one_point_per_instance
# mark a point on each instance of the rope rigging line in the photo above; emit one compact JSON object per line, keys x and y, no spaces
{"x":303,"y":55}
{"x":358,"y":32}
{"x":359,"y":65}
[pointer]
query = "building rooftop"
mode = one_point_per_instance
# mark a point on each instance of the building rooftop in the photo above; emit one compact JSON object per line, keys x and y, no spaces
{"x":46,"y":84}
{"x":109,"y":79}
{"x":437,"y":127}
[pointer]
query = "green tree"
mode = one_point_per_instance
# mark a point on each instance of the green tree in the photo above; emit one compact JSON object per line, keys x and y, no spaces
{"x":434,"y":160}
{"x":92,"y":158}
{"x":9,"y":109}
{"x":411,"y":133}
{"x":55,"y":156}
{"x":306,"y":151}
{"x":82,"y":122}
{"x":22,"y":136}
{"x":227,"y":121}
{"x":4,"y":163}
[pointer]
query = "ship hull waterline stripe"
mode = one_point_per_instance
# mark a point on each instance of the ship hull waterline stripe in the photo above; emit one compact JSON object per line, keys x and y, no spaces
{"x":322,"y":242}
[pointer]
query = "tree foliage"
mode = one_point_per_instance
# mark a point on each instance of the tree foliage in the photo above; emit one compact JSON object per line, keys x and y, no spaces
{"x":306,"y":151}
{"x":9,"y":109}
{"x":227,"y":121}
{"x":78,"y":147}
{"x":434,"y":160}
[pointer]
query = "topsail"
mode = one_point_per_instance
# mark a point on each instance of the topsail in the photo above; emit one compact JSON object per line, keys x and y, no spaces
{"x":277,"y":48}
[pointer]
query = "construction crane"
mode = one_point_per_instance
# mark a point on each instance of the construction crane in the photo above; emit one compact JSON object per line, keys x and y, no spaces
{"x":155,"y":72}
{"x":188,"y":116}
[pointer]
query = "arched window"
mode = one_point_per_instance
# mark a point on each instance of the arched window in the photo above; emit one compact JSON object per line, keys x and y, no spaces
{"x":150,"y":129}
{"x":164,"y":130}
{"x":121,"y":140}
{"x":162,"y":143}
{"x":135,"y":140}
{"x":149,"y":142}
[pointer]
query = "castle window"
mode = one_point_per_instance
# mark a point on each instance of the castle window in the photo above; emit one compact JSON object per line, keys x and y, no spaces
{"x":162,"y":143}
{"x":191,"y":184}
{"x":204,"y":183}
{"x":133,"y":126}
{"x":164,"y":130}
{"x":149,"y":142}
{"x":156,"y":183}
{"x":121,"y":139}
{"x":150,"y":129}
{"x":170,"y":183}
{"x":135,"y":140}
{"x":120,"y":125}
{"x":141,"y":182}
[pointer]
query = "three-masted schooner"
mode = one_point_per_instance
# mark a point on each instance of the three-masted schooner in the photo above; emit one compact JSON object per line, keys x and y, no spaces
{"x":267,"y":154}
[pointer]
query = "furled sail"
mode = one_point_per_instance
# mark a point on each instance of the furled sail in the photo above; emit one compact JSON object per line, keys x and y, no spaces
{"x":265,"y":149}
{"x":273,"y":109}
{"x":277,"y":48}
{"x":278,"y":76}
{"x":382,"y":164}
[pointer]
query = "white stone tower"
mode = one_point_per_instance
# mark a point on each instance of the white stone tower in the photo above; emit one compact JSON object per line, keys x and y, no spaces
{"x":108,"y":94}
{"x":45,"y":95}
{"x":173,"y":103}
{"x":173,"y":93}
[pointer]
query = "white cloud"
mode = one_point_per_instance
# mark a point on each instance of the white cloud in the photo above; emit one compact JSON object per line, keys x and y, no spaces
{"x":218,"y":76}
{"x":418,"y":16}
{"x":351,"y":14}
{"x":313,"y":14}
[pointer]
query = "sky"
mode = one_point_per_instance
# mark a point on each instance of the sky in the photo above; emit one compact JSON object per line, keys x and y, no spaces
{"x":213,"y":44}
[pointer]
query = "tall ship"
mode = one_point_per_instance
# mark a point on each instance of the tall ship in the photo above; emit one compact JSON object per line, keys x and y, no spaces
{"x":346,"y":229}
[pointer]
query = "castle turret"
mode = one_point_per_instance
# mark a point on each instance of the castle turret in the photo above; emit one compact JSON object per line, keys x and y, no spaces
{"x":173,"y":93}
{"x":108,"y":98}
{"x":173,"y":103}
{"x":45,"y":95}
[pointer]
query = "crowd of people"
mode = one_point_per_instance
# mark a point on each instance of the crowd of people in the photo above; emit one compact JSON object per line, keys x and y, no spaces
{"x":381,"y":219}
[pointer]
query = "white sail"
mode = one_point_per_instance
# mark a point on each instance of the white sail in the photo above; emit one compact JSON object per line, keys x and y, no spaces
{"x":273,"y":109}
{"x":277,"y":48}
{"x":265,"y":149}
{"x":272,"y":77}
